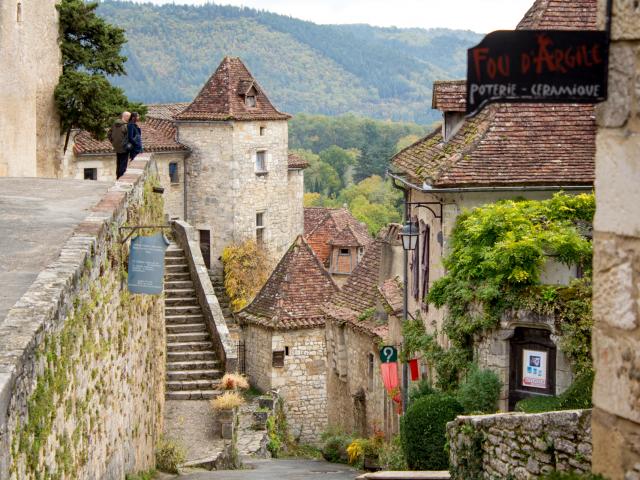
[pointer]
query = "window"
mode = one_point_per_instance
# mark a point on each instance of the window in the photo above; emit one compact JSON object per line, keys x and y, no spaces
{"x":277,"y":359}
{"x":371,"y":369}
{"x":91,"y":174}
{"x":344,"y":252}
{"x":263,"y":130}
{"x":260,"y":228}
{"x":173,"y":172}
{"x":205,"y":246}
{"x":250,"y":101}
{"x":286,"y":351}
{"x":261,"y":161}
{"x":19,"y":12}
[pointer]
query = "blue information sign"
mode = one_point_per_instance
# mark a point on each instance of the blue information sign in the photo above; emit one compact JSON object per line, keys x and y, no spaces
{"x":146,"y":264}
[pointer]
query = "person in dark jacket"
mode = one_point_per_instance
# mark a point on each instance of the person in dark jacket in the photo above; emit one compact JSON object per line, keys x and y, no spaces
{"x":119,"y":138}
{"x":135,"y":136}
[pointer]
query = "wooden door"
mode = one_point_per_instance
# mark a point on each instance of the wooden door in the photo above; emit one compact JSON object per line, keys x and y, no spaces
{"x":532,"y":365}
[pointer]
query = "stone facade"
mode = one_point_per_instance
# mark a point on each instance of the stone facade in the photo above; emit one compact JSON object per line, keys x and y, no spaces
{"x":358,"y":402}
{"x":519,"y":446}
{"x":82,"y":364}
{"x":300,"y":380}
{"x":616,"y":306}
{"x":31,"y":65}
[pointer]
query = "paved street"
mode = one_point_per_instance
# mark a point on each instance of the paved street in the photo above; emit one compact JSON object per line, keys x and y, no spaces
{"x":277,"y":470}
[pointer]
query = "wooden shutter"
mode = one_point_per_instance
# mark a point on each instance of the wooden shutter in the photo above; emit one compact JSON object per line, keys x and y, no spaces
{"x":426,"y":246}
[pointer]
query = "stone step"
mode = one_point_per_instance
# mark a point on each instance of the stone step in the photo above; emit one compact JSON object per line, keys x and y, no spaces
{"x":227,"y":312}
{"x":181,"y":301}
{"x":172,"y":292}
{"x":184,"y":347}
{"x":182,"y":318}
{"x":182,"y":268}
{"x":177,"y":277}
{"x":192,"y":394}
{"x":178,"y":285}
{"x":179,"y":366}
{"x":200,"y":384}
{"x":202,"y":336}
{"x":173,"y":252}
{"x":173,"y":329}
{"x":175,"y":261}
{"x":208,"y":374}
{"x":182,"y":310}
{"x":191,"y":356}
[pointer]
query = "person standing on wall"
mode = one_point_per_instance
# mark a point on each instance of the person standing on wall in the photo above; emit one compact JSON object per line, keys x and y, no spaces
{"x":119,"y":138}
{"x":135,"y":136}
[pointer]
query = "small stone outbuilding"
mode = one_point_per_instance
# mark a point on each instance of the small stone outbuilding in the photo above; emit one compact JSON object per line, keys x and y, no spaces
{"x":284,"y":334}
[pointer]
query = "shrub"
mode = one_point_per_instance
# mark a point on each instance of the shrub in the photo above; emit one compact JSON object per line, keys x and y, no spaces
{"x":480,"y":391}
{"x":234,"y":381}
{"x":572,"y":476}
{"x":334,"y":447}
{"x":169,"y":456}
{"x":420,"y":389}
{"x":392,"y":456}
{"x":423,"y":430}
{"x":538,"y":404}
{"x":227,"y":401}
{"x":246,"y":269}
{"x":577,"y":396}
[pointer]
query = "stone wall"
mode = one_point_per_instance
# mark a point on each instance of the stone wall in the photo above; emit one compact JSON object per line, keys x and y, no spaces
{"x":519,"y":446}
{"x":82,"y":361}
{"x":224,"y":192}
{"x":357,"y":400}
{"x":616,"y":305}
{"x":31,"y":64}
{"x":302,"y":381}
{"x":257,"y":347}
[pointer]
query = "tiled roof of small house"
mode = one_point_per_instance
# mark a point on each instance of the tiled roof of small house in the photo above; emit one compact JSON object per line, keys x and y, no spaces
{"x":223,"y":97}
{"x":514,"y":144}
{"x":157,"y":136}
{"x":346,"y":238}
{"x":296,"y":162}
{"x":165,"y":111}
{"x":450,"y":96}
{"x":322,"y":225}
{"x":294,"y":293}
{"x":393,"y":295}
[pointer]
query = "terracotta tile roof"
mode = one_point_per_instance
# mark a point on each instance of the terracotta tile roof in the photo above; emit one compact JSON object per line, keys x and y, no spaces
{"x":165,"y":111}
{"x":222,"y":97}
{"x":321,"y":225}
{"x":515,"y":144}
{"x":157,"y":136}
{"x":560,"y":15}
{"x":346,"y":238}
{"x":294,"y":294}
{"x":450,"y":96}
{"x":392,"y":293}
{"x":297,"y":163}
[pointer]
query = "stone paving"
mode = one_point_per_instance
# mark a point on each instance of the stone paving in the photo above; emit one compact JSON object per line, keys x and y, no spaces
{"x":251,"y":442}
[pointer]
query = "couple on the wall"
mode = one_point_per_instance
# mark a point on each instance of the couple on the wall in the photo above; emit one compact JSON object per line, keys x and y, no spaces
{"x":126,"y":138}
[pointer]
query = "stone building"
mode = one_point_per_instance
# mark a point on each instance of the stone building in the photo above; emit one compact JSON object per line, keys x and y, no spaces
{"x":337,"y":238}
{"x":284,"y":335}
{"x":506,"y":151}
{"x":362,"y":316}
{"x":223,"y":160}
{"x":616,"y":303}
{"x":31,"y":64}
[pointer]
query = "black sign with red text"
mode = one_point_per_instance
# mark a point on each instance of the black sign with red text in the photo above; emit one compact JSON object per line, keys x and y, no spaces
{"x":538,"y":66}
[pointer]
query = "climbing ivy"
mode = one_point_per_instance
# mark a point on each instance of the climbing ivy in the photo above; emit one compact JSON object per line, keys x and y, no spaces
{"x":498,"y":252}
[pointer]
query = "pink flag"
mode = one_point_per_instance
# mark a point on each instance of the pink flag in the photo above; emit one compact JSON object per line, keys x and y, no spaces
{"x":390,"y":380}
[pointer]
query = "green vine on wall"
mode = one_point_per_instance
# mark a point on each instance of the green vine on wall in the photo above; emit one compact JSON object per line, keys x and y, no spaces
{"x":498,"y":252}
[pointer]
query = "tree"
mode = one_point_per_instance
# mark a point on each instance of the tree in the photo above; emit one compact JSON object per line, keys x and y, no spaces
{"x":90,"y":50}
{"x":340,"y":159}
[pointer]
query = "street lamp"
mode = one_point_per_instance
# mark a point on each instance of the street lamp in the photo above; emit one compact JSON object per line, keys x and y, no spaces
{"x":409,"y":236}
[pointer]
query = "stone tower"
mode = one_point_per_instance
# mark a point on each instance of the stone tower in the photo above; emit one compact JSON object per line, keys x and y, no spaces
{"x":240,"y":183}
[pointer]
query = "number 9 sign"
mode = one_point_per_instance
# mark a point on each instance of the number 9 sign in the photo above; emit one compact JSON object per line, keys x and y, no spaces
{"x":388,"y":354}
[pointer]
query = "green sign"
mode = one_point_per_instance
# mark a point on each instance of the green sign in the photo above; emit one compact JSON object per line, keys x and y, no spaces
{"x":388,"y":354}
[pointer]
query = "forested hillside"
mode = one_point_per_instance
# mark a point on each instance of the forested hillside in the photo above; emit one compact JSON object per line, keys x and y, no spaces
{"x":328,"y":69}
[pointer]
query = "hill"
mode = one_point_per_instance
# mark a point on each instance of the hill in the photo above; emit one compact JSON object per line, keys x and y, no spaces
{"x":383,"y":73}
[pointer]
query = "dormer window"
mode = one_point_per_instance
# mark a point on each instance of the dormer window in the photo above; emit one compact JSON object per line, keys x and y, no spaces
{"x":250,"y":101}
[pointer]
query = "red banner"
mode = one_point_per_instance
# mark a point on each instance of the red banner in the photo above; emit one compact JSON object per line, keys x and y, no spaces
{"x":415,"y":372}
{"x":391,"y":380}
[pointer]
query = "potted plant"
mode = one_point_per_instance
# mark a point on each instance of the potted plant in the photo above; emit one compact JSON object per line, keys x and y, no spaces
{"x":225,"y":407}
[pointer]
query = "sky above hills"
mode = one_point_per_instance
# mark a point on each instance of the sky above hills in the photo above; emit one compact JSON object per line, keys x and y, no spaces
{"x":477,"y":15}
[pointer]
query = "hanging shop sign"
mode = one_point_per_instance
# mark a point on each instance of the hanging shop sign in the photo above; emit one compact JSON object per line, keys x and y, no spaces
{"x":146,"y":264}
{"x":538,"y":66}
{"x":534,"y":369}
{"x":388,"y":354}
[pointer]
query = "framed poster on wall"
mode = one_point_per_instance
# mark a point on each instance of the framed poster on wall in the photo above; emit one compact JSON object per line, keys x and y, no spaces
{"x":534,"y":369}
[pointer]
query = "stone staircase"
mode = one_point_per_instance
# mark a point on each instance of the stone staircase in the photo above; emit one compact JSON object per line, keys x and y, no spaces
{"x":193,"y":369}
{"x":225,"y":304}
